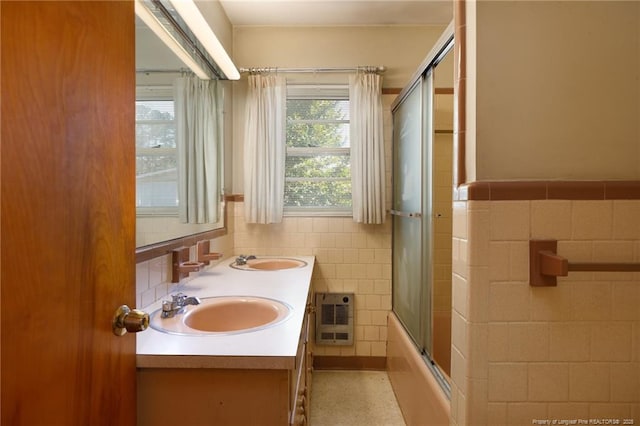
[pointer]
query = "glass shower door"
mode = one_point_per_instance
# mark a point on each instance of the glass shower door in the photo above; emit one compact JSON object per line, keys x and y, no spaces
{"x":412,"y":245}
{"x":408,"y":288}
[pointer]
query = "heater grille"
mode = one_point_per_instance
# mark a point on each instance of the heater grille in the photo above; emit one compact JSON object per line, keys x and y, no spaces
{"x":334,"y":318}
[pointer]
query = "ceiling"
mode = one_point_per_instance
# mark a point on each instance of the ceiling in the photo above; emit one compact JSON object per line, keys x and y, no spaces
{"x":338,"y":12}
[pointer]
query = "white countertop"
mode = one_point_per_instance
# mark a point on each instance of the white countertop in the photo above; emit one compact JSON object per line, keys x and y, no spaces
{"x":273,"y":347}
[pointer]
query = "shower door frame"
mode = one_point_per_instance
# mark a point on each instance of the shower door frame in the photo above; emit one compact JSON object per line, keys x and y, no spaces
{"x":424,"y":77}
{"x":411,"y":284}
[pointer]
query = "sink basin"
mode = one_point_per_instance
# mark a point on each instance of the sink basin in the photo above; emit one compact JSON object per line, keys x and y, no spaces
{"x":224,"y":315}
{"x":270,"y":264}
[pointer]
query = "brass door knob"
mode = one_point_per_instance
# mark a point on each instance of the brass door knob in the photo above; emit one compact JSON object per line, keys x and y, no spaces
{"x":129,"y":320}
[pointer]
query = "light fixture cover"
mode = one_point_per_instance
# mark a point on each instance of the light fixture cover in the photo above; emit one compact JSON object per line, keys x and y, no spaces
{"x":147,"y":17}
{"x":191,"y":15}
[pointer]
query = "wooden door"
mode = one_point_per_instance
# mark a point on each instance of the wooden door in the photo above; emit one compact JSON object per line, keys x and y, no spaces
{"x":68,"y":216}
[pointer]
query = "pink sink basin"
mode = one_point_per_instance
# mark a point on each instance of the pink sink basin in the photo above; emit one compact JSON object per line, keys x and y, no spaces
{"x":224,"y":315}
{"x":270,"y":264}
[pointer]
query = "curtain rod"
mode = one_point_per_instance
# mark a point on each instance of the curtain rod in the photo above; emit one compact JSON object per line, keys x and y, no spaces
{"x":377,"y":69}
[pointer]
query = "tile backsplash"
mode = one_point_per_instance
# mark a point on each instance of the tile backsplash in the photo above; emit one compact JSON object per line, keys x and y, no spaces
{"x":153,"y":277}
{"x":350,"y":257}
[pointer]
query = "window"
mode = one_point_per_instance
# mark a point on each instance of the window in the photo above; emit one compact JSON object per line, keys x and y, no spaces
{"x":156,"y":157}
{"x":317,"y":167}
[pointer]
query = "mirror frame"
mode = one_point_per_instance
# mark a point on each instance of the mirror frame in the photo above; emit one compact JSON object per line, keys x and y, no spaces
{"x":152,"y":251}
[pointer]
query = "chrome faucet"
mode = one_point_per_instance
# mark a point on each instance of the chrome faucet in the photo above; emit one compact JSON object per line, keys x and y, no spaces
{"x":177,"y":304}
{"x":242,"y":259}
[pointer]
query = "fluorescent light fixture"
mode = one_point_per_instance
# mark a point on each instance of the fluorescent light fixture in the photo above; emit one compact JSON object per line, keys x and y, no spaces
{"x":191,"y":15}
{"x":155,"y":26}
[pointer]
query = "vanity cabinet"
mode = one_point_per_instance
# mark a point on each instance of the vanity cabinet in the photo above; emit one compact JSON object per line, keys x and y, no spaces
{"x":228,"y":395}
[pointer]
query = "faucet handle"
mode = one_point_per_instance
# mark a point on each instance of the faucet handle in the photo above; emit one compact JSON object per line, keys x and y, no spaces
{"x":179,"y":297}
{"x":167,"y":307}
{"x":242,"y":259}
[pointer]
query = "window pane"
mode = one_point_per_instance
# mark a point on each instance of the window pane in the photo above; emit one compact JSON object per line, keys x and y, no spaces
{"x":156,"y":135}
{"x":154,"y":110}
{"x":317,"y":194}
{"x":156,"y":181}
{"x":156,"y":171}
{"x":317,"y":109}
{"x":316,"y":122}
{"x":316,"y":134}
{"x":156,"y":165}
{"x":157,"y":194}
{"x":317,"y":167}
{"x":155,"y":126}
{"x":322,"y":166}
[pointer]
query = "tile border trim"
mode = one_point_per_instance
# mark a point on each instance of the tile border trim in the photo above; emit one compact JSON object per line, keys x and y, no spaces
{"x":548,"y":190}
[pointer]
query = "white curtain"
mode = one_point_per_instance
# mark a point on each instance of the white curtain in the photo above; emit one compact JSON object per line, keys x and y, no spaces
{"x":367,"y":148}
{"x":264,"y":149}
{"x":198,"y":109}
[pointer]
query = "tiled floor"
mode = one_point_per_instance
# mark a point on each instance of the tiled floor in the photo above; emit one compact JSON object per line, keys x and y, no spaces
{"x":353,"y":398}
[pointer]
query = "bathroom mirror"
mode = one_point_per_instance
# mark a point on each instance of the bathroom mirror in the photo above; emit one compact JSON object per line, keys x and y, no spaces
{"x":157,"y":67}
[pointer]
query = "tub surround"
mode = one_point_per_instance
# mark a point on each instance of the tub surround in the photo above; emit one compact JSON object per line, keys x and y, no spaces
{"x":273,"y":347}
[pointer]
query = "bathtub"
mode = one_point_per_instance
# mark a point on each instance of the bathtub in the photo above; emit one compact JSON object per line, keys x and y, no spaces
{"x":419,"y":395}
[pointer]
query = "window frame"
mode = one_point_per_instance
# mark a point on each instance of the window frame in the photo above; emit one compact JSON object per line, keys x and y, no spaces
{"x":317,"y":92}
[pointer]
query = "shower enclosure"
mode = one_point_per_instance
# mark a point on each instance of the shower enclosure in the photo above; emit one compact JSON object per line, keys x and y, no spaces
{"x":413,"y":213}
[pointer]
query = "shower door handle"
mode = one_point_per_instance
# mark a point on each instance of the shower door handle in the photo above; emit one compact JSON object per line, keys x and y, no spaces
{"x":405,"y":214}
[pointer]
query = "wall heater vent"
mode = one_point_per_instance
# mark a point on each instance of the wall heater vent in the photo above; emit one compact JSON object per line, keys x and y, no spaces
{"x":334,"y":318}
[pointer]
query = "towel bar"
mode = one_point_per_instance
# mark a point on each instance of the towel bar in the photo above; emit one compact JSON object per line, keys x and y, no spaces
{"x":545,"y":265}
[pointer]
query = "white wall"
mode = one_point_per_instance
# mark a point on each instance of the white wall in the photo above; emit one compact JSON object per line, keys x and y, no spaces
{"x":558,"y":90}
{"x":216,"y":17}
